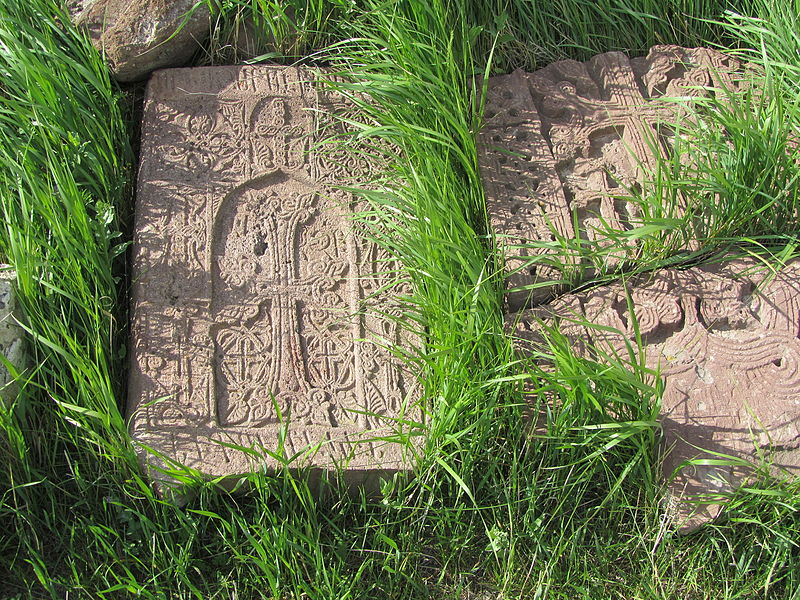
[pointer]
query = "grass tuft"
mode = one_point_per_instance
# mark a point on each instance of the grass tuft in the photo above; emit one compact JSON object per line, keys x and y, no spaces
{"x":564,"y":506}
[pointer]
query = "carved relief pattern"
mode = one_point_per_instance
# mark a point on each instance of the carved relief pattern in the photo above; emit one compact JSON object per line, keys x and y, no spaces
{"x":725,"y":340}
{"x":565,"y":140}
{"x":236,"y":138}
{"x":246,"y":306}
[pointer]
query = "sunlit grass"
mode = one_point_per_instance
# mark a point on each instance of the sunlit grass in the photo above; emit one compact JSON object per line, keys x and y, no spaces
{"x":561,"y":507}
{"x":532,"y":34}
{"x":279,"y":30}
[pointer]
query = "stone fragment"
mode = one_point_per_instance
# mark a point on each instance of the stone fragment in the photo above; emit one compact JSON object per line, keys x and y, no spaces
{"x":250,"y":280}
{"x":725,"y":339}
{"x":12,"y":335}
{"x":560,"y":145}
{"x":139,"y":36}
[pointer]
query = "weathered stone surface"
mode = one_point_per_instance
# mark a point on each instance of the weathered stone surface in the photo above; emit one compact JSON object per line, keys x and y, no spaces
{"x":249,"y":277}
{"x":12,"y":336}
{"x":563,"y":141}
{"x":139,"y":36}
{"x":725,"y":339}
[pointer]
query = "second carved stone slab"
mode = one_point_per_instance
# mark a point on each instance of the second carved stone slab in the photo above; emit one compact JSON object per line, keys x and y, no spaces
{"x":725,"y":340}
{"x":560,"y":145}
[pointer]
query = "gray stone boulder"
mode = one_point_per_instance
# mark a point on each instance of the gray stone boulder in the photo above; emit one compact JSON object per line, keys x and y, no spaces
{"x":139,"y":36}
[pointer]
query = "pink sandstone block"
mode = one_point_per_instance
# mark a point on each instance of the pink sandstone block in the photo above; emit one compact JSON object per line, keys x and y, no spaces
{"x":561,"y":145}
{"x":249,"y":283}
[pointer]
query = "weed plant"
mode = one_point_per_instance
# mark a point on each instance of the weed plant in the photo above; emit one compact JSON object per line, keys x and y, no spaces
{"x":562,"y":506}
{"x":524,"y":33}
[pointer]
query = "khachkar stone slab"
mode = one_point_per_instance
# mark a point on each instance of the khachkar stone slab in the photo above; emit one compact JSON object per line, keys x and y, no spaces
{"x":725,"y":339}
{"x":559,"y":146}
{"x":248,"y":277}
{"x":12,"y":335}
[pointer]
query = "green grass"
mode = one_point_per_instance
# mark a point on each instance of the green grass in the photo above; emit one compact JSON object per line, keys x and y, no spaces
{"x":493,"y":508}
{"x":532,"y":34}
{"x":526,"y":34}
{"x":284,"y":31}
